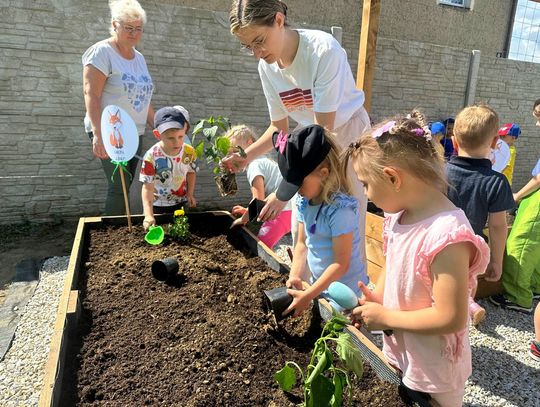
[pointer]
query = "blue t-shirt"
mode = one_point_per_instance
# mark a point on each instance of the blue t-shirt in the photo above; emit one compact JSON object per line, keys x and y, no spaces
{"x":478,"y":190}
{"x":536,"y":169}
{"x":337,"y":218}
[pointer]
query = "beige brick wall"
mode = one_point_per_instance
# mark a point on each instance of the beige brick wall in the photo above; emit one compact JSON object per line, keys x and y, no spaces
{"x":46,"y":167}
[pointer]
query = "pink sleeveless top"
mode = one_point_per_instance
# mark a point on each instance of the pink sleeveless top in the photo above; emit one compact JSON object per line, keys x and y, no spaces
{"x":430,"y":363}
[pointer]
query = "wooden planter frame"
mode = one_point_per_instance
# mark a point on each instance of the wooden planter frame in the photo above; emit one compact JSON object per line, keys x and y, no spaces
{"x":376,"y":260}
{"x":69,"y":306}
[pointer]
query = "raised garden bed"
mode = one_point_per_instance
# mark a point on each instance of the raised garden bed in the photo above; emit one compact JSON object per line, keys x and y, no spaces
{"x":204,"y":339}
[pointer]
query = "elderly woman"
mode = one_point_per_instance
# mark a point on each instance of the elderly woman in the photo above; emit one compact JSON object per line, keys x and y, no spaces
{"x":116,"y":73}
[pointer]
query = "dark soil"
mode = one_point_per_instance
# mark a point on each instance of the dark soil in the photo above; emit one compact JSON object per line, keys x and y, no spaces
{"x":204,"y":339}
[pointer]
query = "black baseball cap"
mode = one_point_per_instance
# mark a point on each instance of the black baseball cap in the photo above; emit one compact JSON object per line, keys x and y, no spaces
{"x":168,"y":118}
{"x":299,"y":153}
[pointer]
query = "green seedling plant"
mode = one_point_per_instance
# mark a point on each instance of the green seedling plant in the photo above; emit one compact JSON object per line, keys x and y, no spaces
{"x":210,"y":142}
{"x":324,"y":382}
{"x":179,"y":229}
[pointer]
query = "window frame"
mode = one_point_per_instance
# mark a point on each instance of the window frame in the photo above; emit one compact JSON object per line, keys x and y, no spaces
{"x":466,"y":4}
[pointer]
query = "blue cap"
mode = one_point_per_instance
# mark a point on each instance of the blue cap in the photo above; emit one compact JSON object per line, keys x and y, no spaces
{"x":437,"y":128}
{"x":168,"y":118}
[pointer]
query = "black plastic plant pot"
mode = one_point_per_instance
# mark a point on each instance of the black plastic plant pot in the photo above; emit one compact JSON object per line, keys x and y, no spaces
{"x":226,"y":184}
{"x":278,"y":300}
{"x":165,"y":269}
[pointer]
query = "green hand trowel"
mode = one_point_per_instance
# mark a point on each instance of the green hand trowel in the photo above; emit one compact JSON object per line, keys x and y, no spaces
{"x":155,"y":235}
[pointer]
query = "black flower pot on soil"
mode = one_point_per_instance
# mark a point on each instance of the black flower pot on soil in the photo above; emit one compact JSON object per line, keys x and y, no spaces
{"x":226,"y":184}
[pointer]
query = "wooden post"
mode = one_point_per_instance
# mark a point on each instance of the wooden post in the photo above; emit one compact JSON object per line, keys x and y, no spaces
{"x":368,"y":48}
{"x":126,"y":199}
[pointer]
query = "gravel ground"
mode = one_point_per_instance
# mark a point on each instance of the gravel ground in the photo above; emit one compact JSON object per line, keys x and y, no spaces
{"x":503,"y":372}
{"x":22,"y":370}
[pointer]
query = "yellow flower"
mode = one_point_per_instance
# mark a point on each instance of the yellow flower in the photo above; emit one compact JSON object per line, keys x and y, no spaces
{"x":179,"y":212}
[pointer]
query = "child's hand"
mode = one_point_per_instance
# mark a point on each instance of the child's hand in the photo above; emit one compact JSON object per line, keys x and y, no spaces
{"x":192,"y":202}
{"x":368,"y":295}
{"x":493,"y":271}
{"x":294,"y":283}
{"x":301,"y":302}
{"x":238,"y":222}
{"x":368,"y":314}
{"x":148,"y":221}
{"x":238,"y":210}
{"x":234,"y":162}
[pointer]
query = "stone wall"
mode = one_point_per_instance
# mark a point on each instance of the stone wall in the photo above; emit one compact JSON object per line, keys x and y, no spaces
{"x":47,"y":170}
{"x":483,"y":27}
{"x":434,"y":79}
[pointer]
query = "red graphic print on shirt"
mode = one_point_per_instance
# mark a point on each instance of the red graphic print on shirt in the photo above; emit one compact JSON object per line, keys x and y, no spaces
{"x":297,"y":99}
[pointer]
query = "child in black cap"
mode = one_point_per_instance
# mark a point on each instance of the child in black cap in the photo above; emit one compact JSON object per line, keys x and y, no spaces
{"x":328,"y":215}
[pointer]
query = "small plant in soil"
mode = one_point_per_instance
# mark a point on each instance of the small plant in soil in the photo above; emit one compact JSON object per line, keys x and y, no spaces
{"x":179,"y":229}
{"x":324,"y":382}
{"x":215,"y":146}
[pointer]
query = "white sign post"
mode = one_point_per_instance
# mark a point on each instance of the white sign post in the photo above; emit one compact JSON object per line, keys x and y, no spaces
{"x":121,"y":140}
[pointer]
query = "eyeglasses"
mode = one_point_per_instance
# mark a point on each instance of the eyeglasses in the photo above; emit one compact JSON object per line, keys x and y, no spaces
{"x":132,"y":30}
{"x":258,"y":44}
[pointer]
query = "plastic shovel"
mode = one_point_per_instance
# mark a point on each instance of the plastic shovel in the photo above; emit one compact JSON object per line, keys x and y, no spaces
{"x":155,"y":235}
{"x":346,"y":298}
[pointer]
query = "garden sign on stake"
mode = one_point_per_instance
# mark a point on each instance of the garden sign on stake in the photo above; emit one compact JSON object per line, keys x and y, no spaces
{"x":121,"y":141}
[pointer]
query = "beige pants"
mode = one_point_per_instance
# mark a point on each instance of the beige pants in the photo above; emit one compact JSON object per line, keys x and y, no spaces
{"x":345,"y":135}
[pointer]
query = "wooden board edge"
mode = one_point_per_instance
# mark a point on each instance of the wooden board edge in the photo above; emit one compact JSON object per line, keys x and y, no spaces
{"x":46,"y":397}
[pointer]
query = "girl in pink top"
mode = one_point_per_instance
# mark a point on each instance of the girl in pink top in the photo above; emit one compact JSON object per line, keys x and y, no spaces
{"x":432,"y":260}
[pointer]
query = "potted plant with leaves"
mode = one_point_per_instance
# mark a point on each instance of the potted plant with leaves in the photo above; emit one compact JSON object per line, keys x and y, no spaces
{"x":325,"y":380}
{"x":210,"y":141}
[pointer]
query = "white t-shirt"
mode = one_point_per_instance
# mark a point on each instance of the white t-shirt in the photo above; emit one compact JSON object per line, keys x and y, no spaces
{"x":269,"y":170}
{"x":318,"y":80}
{"x":128,"y":84}
{"x":500,"y":156}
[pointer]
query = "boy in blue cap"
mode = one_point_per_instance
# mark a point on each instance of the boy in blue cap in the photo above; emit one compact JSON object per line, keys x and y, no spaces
{"x":167,"y":172}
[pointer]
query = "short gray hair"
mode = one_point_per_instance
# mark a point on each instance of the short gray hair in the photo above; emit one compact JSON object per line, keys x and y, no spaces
{"x":126,"y":11}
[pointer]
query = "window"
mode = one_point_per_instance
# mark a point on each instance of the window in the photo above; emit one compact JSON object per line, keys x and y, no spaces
{"x":525,"y":40}
{"x":456,"y":3}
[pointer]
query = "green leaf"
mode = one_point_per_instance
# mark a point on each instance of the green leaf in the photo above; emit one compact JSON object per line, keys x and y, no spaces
{"x":223,"y":144}
{"x":339,"y":381}
{"x":210,"y":133}
{"x":216,"y":170}
{"x":198,"y":128}
{"x":286,"y":377}
{"x":350,"y":354}
{"x":199,"y":149}
{"x":223,"y":122}
{"x":322,"y":390}
{"x":324,"y":361}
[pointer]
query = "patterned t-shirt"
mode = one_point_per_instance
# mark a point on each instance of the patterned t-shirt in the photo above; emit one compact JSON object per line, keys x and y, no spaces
{"x":168,"y":173}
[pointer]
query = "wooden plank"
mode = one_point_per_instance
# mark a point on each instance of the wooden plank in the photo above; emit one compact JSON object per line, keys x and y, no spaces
{"x":73,"y":302}
{"x":374,"y":252}
{"x":374,"y":226}
{"x":57,"y":348}
{"x":373,"y":271}
{"x":368,"y":47}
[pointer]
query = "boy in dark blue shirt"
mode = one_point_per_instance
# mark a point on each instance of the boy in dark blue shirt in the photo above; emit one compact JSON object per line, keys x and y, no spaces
{"x":483,"y":194}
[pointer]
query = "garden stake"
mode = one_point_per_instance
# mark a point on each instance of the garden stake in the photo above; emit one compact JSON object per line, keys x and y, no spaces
{"x":120,"y":139}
